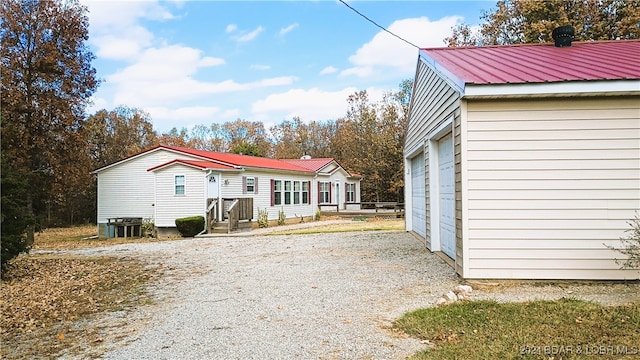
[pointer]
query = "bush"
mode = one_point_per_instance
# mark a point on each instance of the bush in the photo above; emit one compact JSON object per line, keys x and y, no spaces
{"x":281,"y":217}
{"x":318,"y":214}
{"x":263,"y":218}
{"x":190,"y":226}
{"x":630,"y":246}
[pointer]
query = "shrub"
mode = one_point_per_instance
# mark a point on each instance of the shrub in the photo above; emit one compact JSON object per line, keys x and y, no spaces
{"x":190,"y":226}
{"x":148,"y":228}
{"x":281,"y":217}
{"x":318,"y":214}
{"x":630,"y":246}
{"x":263,"y":218}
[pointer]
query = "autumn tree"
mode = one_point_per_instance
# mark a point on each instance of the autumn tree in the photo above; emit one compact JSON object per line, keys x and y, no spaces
{"x":532,"y":21}
{"x":370,"y":142}
{"x":47,"y":81}
{"x":246,"y":137}
{"x":116,"y":134}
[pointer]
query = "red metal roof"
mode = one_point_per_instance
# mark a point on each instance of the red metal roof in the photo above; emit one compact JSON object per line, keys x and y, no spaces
{"x":312,"y":164}
{"x":239,"y":160}
{"x":541,"y":63}
{"x":198,"y":164}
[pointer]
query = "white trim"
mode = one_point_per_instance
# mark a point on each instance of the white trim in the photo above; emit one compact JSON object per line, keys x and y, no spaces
{"x":454,"y":81}
{"x":567,"y":88}
{"x":464,"y":175}
{"x":418,"y":148}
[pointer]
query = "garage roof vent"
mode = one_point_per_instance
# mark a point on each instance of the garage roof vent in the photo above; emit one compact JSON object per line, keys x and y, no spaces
{"x":563,"y":35}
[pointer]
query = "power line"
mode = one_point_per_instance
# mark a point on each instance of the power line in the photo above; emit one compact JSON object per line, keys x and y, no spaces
{"x":376,"y":24}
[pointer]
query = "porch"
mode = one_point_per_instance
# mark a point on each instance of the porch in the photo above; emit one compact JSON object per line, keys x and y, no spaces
{"x":227,"y":215}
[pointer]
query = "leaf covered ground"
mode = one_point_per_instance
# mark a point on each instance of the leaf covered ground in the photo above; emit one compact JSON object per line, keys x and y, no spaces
{"x":49,"y":301}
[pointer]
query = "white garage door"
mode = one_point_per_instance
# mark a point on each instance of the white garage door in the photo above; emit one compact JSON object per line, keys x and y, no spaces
{"x":418,"y":200}
{"x":447,"y":196}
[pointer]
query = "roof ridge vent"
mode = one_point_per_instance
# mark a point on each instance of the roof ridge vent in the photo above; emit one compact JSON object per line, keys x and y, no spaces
{"x":563,"y":35}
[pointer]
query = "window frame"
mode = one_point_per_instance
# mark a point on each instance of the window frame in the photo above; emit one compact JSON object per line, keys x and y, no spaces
{"x":324,"y":188}
{"x":250,"y":189}
{"x":277,"y":192}
{"x":287,"y":192}
{"x":176,"y":185}
{"x":350,"y":192}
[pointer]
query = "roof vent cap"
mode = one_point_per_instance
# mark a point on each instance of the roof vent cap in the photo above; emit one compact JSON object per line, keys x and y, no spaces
{"x":563,"y":35}
{"x":305,"y":157}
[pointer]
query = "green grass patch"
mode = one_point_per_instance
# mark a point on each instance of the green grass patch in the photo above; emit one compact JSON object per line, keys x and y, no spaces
{"x":560,"y":329}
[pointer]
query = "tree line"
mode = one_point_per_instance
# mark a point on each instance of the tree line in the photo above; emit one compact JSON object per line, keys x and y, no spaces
{"x":50,"y":145}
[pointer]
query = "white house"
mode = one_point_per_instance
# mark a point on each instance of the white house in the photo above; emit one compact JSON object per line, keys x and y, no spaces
{"x":524,"y":161}
{"x":165,"y":183}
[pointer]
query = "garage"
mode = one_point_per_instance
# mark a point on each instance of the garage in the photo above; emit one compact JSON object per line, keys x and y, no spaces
{"x":446,"y":202}
{"x":418,"y":213}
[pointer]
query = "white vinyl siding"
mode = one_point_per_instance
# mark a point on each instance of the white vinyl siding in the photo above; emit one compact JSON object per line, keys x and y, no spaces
{"x":548,"y":183}
{"x":434,"y":101}
{"x":170,"y":204}
{"x":232,"y":188}
{"x":126,"y":189}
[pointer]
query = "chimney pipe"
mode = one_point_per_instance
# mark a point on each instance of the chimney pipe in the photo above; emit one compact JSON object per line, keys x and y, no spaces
{"x":563,"y":35}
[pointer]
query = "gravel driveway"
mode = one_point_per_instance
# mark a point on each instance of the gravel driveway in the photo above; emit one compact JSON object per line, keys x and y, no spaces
{"x":323,"y":296}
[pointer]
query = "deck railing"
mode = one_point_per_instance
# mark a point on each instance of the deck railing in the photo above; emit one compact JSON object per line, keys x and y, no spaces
{"x":212,"y":214}
{"x":236,"y":210}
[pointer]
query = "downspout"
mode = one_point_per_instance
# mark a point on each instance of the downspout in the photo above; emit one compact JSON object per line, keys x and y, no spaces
{"x":206,"y":190}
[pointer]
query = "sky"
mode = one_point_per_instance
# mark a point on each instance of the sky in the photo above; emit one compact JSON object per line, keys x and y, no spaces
{"x":188,"y":63}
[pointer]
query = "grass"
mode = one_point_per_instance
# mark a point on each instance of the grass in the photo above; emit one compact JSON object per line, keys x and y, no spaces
{"x":559,"y":329}
{"x":370,"y":224}
{"x":79,"y":237}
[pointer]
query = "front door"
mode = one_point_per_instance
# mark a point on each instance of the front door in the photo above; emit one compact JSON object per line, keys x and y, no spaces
{"x":213,"y":190}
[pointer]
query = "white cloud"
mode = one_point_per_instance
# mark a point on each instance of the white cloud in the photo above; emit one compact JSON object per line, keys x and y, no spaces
{"x":259,"y":67}
{"x":114,"y":29}
{"x":231,"y":28}
{"x":164,"y":76}
{"x":309,"y":104}
{"x":250,"y":35}
{"x":288,"y":29}
{"x":386,"y":50}
{"x":328,"y":70}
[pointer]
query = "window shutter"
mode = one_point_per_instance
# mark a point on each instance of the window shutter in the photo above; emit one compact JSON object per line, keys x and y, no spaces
{"x":330,"y":188}
{"x":273,"y":198}
{"x":244,"y":184}
{"x":346,"y":192}
{"x":255,"y":185}
{"x":319,"y":194}
{"x":309,"y":192}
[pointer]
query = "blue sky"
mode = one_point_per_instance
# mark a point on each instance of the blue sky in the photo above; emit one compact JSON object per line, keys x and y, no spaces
{"x":204,"y":62}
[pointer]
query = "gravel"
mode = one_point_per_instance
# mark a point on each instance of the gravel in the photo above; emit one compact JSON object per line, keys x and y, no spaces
{"x":323,"y":296}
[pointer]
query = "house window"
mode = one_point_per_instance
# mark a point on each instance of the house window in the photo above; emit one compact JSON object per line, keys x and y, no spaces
{"x":179,"y":182}
{"x":250,"y":185}
{"x":287,"y":192}
{"x":351,"y":193}
{"x":296,"y":192}
{"x":305,"y":193}
{"x":324,"y":189}
{"x":277,"y":192}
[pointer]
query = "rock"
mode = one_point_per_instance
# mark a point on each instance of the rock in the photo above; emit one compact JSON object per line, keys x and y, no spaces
{"x":441,"y":301}
{"x":463,"y":289}
{"x":451,"y":296}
